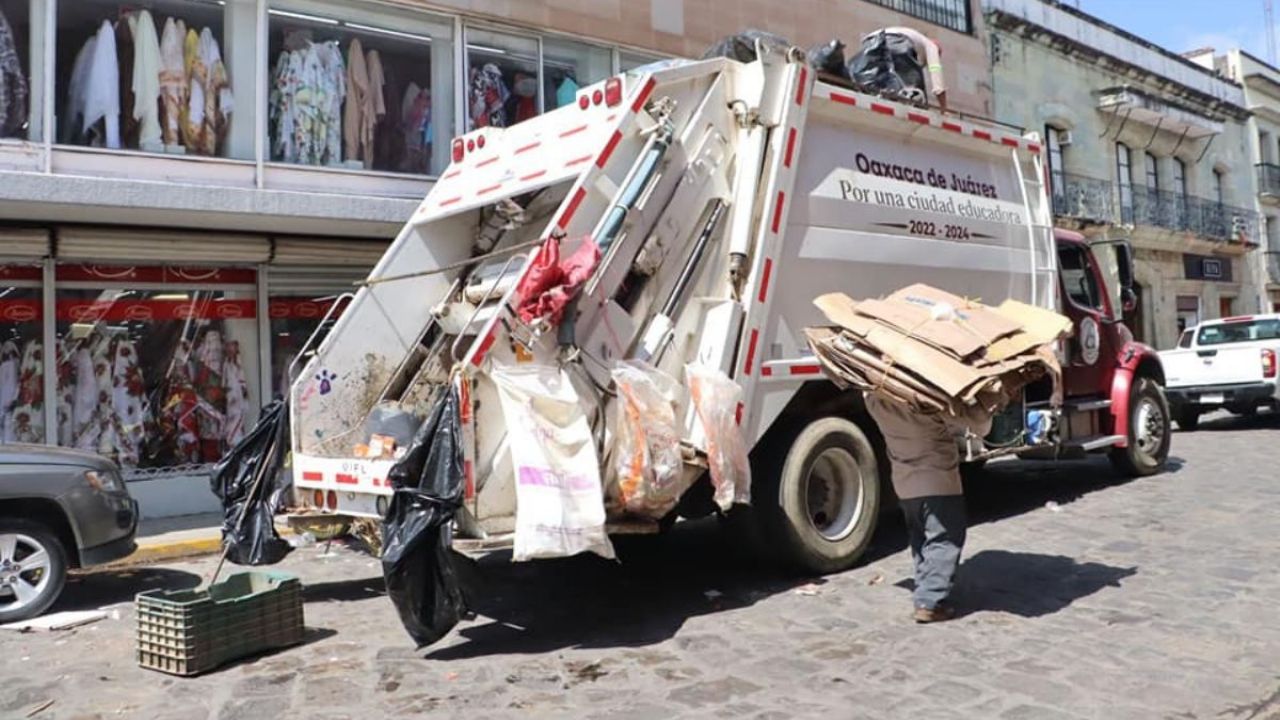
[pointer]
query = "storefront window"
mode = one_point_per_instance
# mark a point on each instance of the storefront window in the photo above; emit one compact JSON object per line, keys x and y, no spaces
{"x":21,"y":355}
{"x":294,"y":321}
{"x":568,"y":66}
{"x":359,"y":88}
{"x":156,"y":365}
{"x":21,"y":49}
{"x":160,"y":77}
{"x":502,"y":79}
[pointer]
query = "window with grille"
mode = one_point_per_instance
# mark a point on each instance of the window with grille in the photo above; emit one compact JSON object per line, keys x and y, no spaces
{"x":950,"y":14}
{"x":1057,"y":181}
{"x":1124,"y":180}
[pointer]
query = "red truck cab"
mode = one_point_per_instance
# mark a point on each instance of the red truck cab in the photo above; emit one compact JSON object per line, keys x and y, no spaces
{"x":1113,"y":386}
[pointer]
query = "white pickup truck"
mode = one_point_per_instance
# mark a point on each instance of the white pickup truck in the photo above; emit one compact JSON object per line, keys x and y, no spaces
{"x":1228,"y":363}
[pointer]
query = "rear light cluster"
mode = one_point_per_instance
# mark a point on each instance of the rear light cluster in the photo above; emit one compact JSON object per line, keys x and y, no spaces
{"x":1268,"y":364}
{"x":323,"y":500}
{"x":610,"y":96}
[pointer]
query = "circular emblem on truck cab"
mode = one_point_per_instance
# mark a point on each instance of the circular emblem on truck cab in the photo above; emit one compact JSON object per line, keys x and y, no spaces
{"x":1090,"y":341}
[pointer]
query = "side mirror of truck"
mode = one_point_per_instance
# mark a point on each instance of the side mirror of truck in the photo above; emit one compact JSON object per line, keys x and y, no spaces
{"x":1124,"y":263}
{"x":1128,"y":299}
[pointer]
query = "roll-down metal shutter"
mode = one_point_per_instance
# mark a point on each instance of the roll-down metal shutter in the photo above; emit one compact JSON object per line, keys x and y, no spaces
{"x":310,"y":267}
{"x":160,"y":247}
{"x":23,"y":245}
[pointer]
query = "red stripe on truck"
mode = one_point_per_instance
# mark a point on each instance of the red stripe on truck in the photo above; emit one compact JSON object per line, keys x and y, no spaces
{"x":574,"y":131}
{"x":805,"y":369}
{"x":527,"y":148}
{"x":1009,"y":142}
{"x":804,"y":81}
{"x":643,"y":97}
{"x":777,"y":211}
{"x":764,"y":279}
{"x":345,"y":479}
{"x":533,"y":176}
{"x":751,"y":352}
{"x":484,"y":348}
{"x":918,"y":118}
{"x":609,"y":148}
{"x":572,"y":208}
{"x":882,"y":109}
{"x":791,"y":147}
{"x":844,"y":99}
{"x":312,"y":477}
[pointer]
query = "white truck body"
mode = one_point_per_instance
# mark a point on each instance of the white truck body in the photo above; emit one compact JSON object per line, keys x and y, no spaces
{"x":1228,"y":363}
{"x":819,"y":189}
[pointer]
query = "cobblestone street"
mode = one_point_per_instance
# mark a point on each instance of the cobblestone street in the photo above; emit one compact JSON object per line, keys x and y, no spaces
{"x":1085,"y":597}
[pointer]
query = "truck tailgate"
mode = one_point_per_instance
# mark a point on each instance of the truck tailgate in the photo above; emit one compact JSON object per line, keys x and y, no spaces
{"x":1222,"y":365}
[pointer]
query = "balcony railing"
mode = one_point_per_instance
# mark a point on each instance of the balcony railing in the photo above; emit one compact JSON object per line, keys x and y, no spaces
{"x":1094,"y":200}
{"x":1268,"y":178}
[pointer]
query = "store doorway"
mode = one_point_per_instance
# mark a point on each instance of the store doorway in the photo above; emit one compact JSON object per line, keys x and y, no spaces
{"x":1226,"y":307}
{"x":1137,"y":319}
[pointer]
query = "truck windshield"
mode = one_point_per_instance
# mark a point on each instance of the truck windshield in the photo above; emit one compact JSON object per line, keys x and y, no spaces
{"x":1239,"y":332}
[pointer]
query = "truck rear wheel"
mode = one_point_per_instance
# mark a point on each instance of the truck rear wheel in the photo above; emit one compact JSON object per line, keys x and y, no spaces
{"x":1149,"y":432}
{"x":821,"y":504}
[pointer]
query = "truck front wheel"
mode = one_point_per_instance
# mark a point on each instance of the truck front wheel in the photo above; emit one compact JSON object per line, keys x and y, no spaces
{"x":822,"y":503}
{"x":1149,"y":432}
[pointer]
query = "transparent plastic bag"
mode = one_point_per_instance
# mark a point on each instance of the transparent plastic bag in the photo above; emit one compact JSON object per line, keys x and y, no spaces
{"x":646,"y":455}
{"x":715,"y":398}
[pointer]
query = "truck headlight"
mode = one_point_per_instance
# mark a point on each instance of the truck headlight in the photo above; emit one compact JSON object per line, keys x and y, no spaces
{"x":104,"y":481}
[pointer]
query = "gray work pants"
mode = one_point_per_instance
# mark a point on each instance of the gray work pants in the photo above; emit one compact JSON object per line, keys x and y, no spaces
{"x":935,"y":528}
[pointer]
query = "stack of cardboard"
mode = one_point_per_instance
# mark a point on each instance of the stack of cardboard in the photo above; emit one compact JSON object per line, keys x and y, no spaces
{"x":935,"y":351}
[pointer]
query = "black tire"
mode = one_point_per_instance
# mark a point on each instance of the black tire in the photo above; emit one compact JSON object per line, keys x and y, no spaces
{"x":1188,"y":418}
{"x":29,"y":535}
{"x":1148,"y":447}
{"x":829,"y":468}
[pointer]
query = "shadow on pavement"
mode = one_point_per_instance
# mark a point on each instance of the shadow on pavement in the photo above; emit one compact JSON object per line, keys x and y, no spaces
{"x":1264,"y":420}
{"x":1029,"y":584}
{"x":91,"y":590}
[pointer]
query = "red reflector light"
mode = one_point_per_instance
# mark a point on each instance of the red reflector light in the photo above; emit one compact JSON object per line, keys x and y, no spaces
{"x":471,"y":145}
{"x":1268,"y":363}
{"x":597,"y":97}
{"x":459,"y":150}
{"x":613,"y":92}
{"x":480,"y":142}
{"x":331,"y":500}
{"x":318,"y":498}
{"x":584,"y":102}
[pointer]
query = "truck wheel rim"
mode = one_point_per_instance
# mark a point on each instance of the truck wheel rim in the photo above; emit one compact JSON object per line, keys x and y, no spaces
{"x":25,"y":571}
{"x":1150,"y":428}
{"x":833,"y":494}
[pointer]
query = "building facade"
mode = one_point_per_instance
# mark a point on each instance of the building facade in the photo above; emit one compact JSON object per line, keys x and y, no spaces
{"x":1142,"y":145}
{"x":186,"y":191}
{"x":1262,"y":96}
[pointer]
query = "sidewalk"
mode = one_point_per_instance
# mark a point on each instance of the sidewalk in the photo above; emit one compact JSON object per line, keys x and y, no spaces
{"x":177,"y":537}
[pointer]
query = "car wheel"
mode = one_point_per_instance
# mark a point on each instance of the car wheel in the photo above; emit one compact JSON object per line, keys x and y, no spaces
{"x":33,"y":569}
{"x":1188,"y":418}
{"x":822,"y":504}
{"x":1149,"y":434}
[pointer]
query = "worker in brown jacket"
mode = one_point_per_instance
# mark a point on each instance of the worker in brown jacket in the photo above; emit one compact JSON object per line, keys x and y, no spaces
{"x":925,"y":465}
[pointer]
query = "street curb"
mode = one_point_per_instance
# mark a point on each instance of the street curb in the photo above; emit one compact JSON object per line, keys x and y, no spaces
{"x":173,"y":550}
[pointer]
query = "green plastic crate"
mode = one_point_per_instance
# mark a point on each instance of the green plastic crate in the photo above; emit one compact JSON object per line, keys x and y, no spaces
{"x":188,"y":632}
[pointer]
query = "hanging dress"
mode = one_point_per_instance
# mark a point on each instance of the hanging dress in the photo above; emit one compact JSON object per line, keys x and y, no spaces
{"x":375,"y":107}
{"x":173,"y":81}
{"x":10,"y":362}
{"x":145,"y":83}
{"x":488,"y":97}
{"x":193,"y":110}
{"x":218,"y":101}
{"x":128,"y":403}
{"x":28,"y":410}
{"x":102,"y":90}
{"x":72,"y":131}
{"x":236,"y":391}
{"x":353,"y":114}
{"x":84,"y":400}
{"x":207,"y":379}
{"x":14,"y":89}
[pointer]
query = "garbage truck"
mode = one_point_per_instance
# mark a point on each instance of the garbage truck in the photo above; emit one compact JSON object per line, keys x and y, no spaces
{"x":722,"y":197}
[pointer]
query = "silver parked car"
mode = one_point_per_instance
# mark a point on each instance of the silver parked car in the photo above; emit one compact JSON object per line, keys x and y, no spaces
{"x":59,"y":509}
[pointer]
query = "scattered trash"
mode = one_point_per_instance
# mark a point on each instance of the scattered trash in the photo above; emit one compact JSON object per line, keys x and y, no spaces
{"x":876,"y":580}
{"x":40,"y":708}
{"x":57,"y":621}
{"x":1052,"y":506}
{"x":306,"y":539}
{"x":713,"y":594}
{"x":586,"y":671}
{"x":809,"y":590}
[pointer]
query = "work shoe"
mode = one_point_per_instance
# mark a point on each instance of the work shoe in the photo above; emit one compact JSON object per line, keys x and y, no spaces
{"x":940,"y":613}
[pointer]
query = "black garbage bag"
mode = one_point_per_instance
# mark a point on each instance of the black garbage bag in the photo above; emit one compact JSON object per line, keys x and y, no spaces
{"x":417,"y":561}
{"x":828,"y":58}
{"x":887,"y":64}
{"x":742,"y":46}
{"x":253,"y":539}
